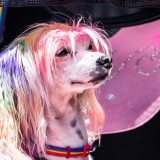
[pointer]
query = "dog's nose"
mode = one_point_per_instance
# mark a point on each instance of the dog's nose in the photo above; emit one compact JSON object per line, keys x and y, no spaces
{"x":105,"y":62}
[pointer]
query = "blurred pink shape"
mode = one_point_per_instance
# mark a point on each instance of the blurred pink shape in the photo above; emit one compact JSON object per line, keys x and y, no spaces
{"x":131,"y":96}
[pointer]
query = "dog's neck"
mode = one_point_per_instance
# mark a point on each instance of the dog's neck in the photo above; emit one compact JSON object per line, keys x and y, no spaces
{"x":65,"y":123}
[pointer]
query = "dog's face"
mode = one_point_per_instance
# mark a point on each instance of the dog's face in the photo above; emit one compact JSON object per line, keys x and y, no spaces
{"x":80,"y":65}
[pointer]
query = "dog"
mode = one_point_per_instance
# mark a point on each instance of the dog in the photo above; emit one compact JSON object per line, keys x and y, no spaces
{"x":48,"y":104}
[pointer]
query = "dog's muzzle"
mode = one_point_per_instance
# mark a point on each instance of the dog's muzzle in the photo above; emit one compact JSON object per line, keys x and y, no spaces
{"x":104,"y":62}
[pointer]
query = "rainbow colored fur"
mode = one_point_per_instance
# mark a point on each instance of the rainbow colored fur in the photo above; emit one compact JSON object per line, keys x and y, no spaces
{"x":27,"y":76}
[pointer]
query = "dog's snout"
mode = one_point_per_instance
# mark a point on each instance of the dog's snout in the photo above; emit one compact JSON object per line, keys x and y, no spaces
{"x":105,"y":62}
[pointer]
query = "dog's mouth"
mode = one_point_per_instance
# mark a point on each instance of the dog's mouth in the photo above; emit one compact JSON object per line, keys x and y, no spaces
{"x":77,"y":82}
{"x":99,"y":78}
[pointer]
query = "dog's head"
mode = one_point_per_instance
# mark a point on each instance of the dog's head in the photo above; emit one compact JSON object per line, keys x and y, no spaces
{"x":78,"y":56}
{"x":83,"y":64}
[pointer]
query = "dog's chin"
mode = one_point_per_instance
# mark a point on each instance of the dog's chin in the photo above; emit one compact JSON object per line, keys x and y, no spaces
{"x":100,"y":78}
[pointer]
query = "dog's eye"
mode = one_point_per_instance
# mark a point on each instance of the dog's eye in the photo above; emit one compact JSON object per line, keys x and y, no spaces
{"x":62,"y":53}
{"x":90,"y":47}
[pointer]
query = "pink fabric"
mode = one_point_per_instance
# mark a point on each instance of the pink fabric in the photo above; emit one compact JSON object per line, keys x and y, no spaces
{"x":132,"y":96}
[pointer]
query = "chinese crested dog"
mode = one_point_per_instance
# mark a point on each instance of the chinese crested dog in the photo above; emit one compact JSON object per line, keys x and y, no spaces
{"x":48,"y":106}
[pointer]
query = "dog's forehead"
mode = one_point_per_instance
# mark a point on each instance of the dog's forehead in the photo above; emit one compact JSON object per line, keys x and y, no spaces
{"x":61,"y":35}
{"x":77,"y":31}
{"x":80,"y":36}
{"x":74,"y":34}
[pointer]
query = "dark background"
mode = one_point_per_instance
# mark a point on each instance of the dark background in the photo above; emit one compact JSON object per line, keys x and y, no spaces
{"x":139,"y":144}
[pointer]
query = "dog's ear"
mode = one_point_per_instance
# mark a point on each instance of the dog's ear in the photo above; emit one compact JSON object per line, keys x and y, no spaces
{"x":132,"y":95}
